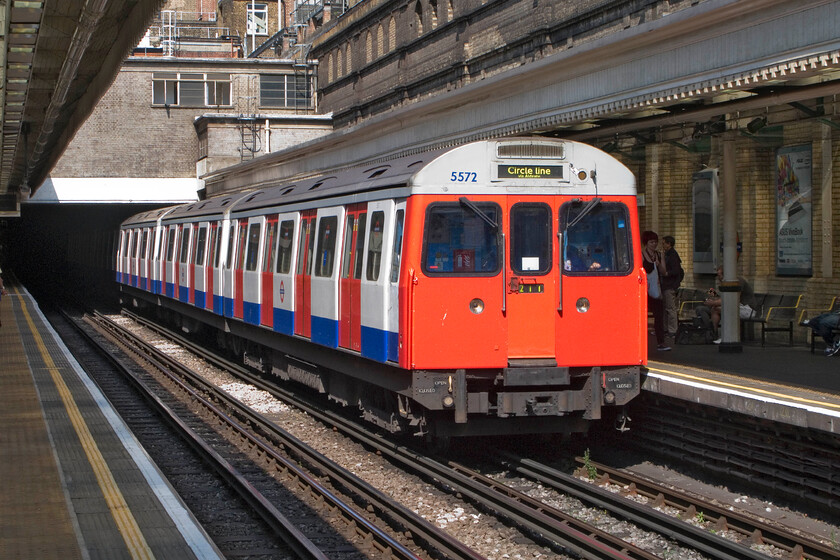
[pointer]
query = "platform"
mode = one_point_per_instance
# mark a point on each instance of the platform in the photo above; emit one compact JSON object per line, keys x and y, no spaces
{"x":76,"y":484}
{"x":780,"y":383}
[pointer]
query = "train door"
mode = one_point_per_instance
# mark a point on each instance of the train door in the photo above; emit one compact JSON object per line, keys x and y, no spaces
{"x":393,"y":283}
{"x":283,"y":284}
{"x":531,"y":286}
{"x":251,"y":273}
{"x":133,"y":248}
{"x":239,"y":268}
{"x":199,"y":286}
{"x":211,"y":265}
{"x":375,"y":289}
{"x":122,"y":260}
{"x":349,"y":335}
{"x":145,"y":265}
{"x":303,"y":275}
{"x":185,"y":267}
{"x":169,"y":264}
{"x":324,"y":287}
{"x":157,"y":252}
{"x":228,"y":267}
{"x":267,"y":272}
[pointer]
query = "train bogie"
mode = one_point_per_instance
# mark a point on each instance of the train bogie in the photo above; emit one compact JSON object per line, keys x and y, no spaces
{"x":467,"y":291}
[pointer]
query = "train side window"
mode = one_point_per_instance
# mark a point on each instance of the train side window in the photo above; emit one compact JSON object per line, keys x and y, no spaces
{"x":397,"y":250}
{"x":301,"y":258}
{"x":348,"y":246}
{"x":231,"y":245}
{"x":377,"y":224}
{"x":270,"y":239}
{"x":326,"y":246}
{"x":185,"y":244}
{"x":284,"y":246}
{"x":240,"y":247}
{"x":144,"y":243}
{"x":360,"y":246}
{"x":200,"y":245}
{"x":170,"y":245}
{"x":530,"y":239}
{"x":458,"y":241}
{"x":596,"y":238}
{"x":253,"y":250}
{"x":213,"y":257}
{"x":310,"y":247}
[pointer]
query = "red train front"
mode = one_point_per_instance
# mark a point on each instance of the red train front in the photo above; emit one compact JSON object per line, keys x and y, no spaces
{"x":490,"y":288}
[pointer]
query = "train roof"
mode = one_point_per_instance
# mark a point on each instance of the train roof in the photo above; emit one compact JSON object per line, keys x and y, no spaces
{"x":149,"y":217}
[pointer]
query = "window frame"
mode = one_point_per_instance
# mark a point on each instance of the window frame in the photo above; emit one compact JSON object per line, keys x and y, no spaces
{"x":562,"y":215}
{"x":484,"y":206}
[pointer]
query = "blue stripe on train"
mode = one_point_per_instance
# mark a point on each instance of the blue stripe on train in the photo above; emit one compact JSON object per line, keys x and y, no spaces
{"x":284,"y":321}
{"x":156,"y":285}
{"x":200,"y":299}
{"x":251,"y":312}
{"x":183,"y":293}
{"x":218,"y":304}
{"x":380,"y":345}
{"x":325,"y":331}
{"x":170,"y":290}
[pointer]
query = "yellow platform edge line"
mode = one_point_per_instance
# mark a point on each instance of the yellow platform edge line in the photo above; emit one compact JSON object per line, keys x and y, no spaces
{"x":744,"y":388}
{"x":126,"y":523}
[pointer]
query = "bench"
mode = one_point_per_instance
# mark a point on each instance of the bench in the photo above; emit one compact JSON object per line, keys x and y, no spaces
{"x":808,"y":313}
{"x":775,"y":313}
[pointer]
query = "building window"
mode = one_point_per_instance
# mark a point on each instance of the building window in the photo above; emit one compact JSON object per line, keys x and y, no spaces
{"x":190,"y":89}
{"x":285,"y":90}
{"x":258,"y":19}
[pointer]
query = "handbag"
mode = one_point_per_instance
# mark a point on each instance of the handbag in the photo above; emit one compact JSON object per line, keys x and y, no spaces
{"x":654,"y":289}
{"x":746,"y":312}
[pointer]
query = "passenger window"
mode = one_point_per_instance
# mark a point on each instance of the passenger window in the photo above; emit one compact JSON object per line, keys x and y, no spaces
{"x":170,"y":246}
{"x":310,"y":247}
{"x":144,"y":243}
{"x":348,"y":246}
{"x":530,"y":239}
{"x":284,"y":246}
{"x":301,"y":258}
{"x":459,"y":241}
{"x":326,"y":246}
{"x":377,"y":223}
{"x":213,"y":257}
{"x":268,"y":258}
{"x":596,"y":239}
{"x":201,"y":245}
{"x":240,"y":247}
{"x":231,"y":244}
{"x":253,"y":247}
{"x":185,"y":244}
{"x":397,"y":250}
{"x":360,"y":246}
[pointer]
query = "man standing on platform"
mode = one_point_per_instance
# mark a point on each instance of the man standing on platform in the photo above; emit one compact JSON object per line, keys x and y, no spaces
{"x":670,"y":284}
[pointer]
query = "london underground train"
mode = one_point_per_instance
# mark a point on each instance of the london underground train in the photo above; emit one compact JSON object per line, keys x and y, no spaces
{"x":490,"y":288}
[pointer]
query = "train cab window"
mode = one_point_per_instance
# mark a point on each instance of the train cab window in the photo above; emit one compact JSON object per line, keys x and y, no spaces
{"x":377,"y":225}
{"x":360,"y":246}
{"x":348,"y":246}
{"x":326,"y":246}
{"x":457,"y":240}
{"x":530,"y":239}
{"x":200,"y":245}
{"x":596,"y":238}
{"x":284,"y":246}
{"x":254,"y":233}
{"x":397,"y":250}
{"x":185,"y":245}
{"x":270,"y":240}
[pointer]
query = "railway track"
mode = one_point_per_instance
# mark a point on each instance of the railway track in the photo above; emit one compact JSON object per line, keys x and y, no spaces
{"x":336,"y":491}
{"x":532,"y":516}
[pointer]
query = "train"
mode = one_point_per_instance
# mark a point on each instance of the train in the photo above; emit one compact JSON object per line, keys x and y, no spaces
{"x":489,"y":288}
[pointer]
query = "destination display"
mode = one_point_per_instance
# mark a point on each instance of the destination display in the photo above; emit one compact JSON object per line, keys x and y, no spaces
{"x":530,"y":172}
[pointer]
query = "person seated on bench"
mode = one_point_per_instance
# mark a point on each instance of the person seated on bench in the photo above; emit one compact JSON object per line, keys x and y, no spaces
{"x":824,"y":325}
{"x":713,"y":301}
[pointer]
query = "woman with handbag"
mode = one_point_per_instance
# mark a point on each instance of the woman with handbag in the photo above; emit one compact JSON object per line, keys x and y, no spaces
{"x":654,"y":264}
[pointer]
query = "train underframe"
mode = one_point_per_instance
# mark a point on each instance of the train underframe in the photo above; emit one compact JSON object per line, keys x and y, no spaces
{"x":533,"y":398}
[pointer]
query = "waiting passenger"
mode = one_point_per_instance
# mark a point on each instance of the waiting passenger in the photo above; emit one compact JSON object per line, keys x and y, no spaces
{"x":824,"y":325}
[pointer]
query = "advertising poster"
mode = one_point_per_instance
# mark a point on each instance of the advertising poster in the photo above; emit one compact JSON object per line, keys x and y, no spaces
{"x":793,"y":211}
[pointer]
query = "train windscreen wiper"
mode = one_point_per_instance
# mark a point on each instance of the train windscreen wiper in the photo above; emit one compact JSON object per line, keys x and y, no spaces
{"x":584,"y":211}
{"x":478,"y":212}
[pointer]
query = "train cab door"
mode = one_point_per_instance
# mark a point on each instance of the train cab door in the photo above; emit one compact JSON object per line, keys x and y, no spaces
{"x":199,"y":284}
{"x":283,"y":284}
{"x":238,"y":269}
{"x":350,"y":328}
{"x":303,"y":274}
{"x":251,"y":273}
{"x":267,"y":272}
{"x":531,"y":303}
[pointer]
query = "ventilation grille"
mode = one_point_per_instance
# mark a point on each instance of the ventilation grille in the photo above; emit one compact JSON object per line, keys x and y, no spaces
{"x":530,"y":150}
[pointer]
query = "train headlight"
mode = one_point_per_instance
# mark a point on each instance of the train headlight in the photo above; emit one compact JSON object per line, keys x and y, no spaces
{"x":477,"y":306}
{"x":582,"y":305}
{"x":609,"y":397}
